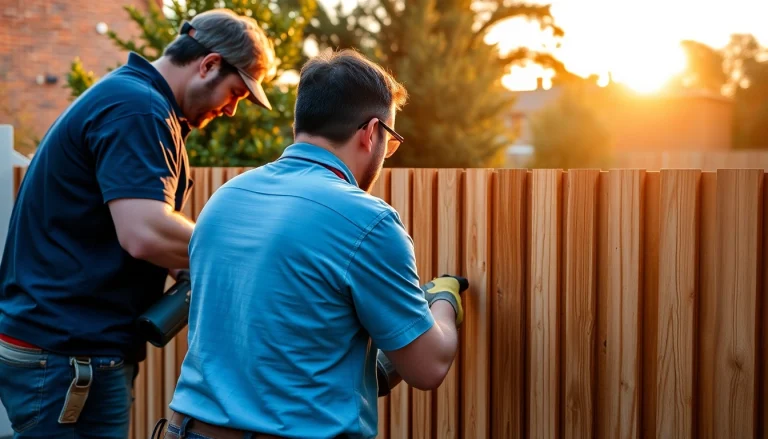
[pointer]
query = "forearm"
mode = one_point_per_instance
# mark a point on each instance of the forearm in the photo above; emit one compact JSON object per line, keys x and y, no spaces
{"x":445,"y":320}
{"x":445,"y":348}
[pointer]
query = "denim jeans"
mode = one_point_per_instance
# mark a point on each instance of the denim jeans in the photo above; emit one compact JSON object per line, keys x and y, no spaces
{"x":34,"y":384}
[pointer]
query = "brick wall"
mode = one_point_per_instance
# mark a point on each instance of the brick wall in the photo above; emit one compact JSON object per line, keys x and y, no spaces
{"x":43,"y":37}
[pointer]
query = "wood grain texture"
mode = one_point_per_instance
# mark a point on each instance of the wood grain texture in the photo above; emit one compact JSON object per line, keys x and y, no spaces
{"x":381,"y":190}
{"x":449,"y":208}
{"x":399,"y":397}
{"x":764,"y":320}
{"x":508,"y":268}
{"x":579,"y":301}
{"x":218,"y":178}
{"x":18,"y":178}
{"x":678,"y":291}
{"x":140,"y":404}
{"x":623,"y":313}
{"x":169,"y":375}
{"x":475,"y":331}
{"x":603,"y":287}
{"x":650,"y":303}
{"x":424,"y":206}
{"x":708,"y":301}
{"x":154,"y":366}
{"x":545,"y":230}
{"x":739,"y":210}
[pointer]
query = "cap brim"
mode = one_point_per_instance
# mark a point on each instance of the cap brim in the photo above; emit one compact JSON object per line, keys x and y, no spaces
{"x":257,"y":95}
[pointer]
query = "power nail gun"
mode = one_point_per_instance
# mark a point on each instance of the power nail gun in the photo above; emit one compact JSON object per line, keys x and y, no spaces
{"x":169,"y":315}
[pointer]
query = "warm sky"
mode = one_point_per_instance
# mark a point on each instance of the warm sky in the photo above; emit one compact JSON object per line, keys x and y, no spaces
{"x":636,"y":40}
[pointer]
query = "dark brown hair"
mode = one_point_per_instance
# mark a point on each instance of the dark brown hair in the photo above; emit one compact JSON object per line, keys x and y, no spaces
{"x":339,"y":90}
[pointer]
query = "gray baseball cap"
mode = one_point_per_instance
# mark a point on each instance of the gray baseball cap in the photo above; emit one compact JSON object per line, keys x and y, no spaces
{"x":240,"y":42}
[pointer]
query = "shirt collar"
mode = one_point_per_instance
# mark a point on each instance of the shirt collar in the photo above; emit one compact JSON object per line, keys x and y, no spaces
{"x":320,"y":155}
{"x":144,"y":67}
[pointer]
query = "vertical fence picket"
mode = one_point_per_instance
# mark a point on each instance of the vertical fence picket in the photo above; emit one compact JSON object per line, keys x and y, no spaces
{"x":650,"y":303}
{"x":154,"y":367}
{"x":739,"y":209}
{"x":708,"y":295}
{"x":544,"y":305}
{"x":763,"y":414}
{"x":678,"y":291}
{"x":18,"y":177}
{"x":579,"y":301}
{"x":400,"y":407}
{"x":603,"y":286}
{"x":475,"y":331}
{"x":623,"y":302}
{"x":140,"y":404}
{"x":508,"y":268}
{"x":381,"y":190}
{"x":449,"y":210}
{"x":423,"y":196}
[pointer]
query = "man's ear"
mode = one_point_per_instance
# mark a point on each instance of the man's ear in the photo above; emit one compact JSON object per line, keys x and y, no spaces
{"x":209,"y":63}
{"x":367,"y":133}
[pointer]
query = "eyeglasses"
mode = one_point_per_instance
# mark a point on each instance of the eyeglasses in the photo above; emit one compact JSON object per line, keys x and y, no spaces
{"x":393,"y":143}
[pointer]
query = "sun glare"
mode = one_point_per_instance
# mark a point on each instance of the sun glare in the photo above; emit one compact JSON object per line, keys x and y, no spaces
{"x":648,"y":72}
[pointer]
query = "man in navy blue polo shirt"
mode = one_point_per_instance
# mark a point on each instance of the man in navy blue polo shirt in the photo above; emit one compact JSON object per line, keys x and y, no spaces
{"x":97,"y":226}
{"x":300,"y":277}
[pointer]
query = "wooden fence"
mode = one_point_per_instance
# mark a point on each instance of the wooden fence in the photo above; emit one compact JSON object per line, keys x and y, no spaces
{"x":620,"y":304}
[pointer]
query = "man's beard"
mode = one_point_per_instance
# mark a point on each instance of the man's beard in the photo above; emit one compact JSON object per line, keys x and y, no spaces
{"x":373,"y":170}
{"x":203,"y":118}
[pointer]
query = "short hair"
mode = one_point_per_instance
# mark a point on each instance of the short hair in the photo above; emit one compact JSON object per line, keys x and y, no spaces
{"x":238,"y":39}
{"x":340,"y":90}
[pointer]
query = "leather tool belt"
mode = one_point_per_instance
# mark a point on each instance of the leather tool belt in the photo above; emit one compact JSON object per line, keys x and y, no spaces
{"x":181,"y":426}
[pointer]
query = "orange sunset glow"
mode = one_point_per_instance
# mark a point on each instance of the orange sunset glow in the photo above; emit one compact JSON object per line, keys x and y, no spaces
{"x":635,"y":42}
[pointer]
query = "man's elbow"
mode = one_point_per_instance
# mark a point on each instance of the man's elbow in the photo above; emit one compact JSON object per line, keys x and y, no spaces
{"x":432,"y":376}
{"x":139,"y":245}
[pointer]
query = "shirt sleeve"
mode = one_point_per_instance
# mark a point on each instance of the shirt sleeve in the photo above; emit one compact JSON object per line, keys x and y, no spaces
{"x":384,"y":286}
{"x":136,"y":157}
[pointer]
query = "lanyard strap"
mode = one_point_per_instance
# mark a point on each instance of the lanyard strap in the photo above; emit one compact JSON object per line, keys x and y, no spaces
{"x":328,"y":167}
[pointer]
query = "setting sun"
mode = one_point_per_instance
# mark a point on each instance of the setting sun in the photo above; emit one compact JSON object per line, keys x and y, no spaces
{"x":648,"y":72}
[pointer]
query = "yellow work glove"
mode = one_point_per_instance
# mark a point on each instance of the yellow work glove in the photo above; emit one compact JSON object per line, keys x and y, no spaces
{"x":448,"y":288}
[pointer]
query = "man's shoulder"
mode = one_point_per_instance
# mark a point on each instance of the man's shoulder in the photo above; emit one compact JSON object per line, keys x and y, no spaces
{"x":123,"y":93}
{"x":337,"y":197}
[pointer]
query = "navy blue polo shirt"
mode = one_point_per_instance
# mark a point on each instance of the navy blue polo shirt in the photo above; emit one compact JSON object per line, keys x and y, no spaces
{"x":66,"y":284}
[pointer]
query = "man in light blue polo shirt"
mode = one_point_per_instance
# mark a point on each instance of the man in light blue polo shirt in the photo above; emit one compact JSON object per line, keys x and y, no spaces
{"x":299,"y":277}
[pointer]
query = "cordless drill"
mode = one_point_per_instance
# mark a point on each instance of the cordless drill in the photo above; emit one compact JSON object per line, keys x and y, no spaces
{"x":169,"y":315}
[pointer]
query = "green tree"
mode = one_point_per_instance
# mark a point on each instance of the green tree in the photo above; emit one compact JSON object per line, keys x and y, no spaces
{"x":254,"y":136}
{"x":704,"y":70}
{"x":457,"y":113}
{"x":570,"y":133}
{"x":746,"y":63}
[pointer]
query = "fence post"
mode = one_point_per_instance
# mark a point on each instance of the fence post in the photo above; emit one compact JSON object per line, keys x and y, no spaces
{"x":6,"y":205}
{"x":6,"y":181}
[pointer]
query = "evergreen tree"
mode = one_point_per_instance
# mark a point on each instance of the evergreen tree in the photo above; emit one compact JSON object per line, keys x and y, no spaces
{"x":254,"y":136}
{"x":457,"y":114}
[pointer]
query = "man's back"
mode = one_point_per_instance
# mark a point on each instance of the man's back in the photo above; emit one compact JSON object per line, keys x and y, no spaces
{"x":66,"y":283}
{"x":277,"y":338}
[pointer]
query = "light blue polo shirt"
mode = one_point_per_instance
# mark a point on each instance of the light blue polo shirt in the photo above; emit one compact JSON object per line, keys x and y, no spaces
{"x":298,"y":276}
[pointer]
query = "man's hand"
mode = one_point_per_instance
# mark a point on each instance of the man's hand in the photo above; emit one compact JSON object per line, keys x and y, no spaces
{"x":448,"y":288}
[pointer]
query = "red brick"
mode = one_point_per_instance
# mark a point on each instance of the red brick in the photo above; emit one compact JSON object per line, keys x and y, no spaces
{"x":42,"y":37}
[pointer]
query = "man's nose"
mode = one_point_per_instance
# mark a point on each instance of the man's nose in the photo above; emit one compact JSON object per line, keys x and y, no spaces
{"x":230,"y":109}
